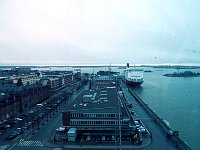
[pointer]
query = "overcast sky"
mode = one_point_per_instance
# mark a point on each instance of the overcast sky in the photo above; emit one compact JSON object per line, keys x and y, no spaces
{"x":66,"y":32}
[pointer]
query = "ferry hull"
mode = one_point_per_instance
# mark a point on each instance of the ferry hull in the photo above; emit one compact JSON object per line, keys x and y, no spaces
{"x":134,"y":84}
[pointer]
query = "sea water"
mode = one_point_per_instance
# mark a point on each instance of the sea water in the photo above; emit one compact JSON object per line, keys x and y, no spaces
{"x":176,"y":100}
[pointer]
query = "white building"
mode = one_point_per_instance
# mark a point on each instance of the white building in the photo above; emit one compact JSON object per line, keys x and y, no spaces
{"x":71,"y":134}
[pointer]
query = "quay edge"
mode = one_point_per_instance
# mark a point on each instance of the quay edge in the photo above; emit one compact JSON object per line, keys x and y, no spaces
{"x":173,"y":136}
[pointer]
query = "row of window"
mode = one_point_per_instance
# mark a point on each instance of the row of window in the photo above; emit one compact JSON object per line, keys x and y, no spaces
{"x":103,"y":122}
{"x":102,"y":82}
{"x":93,"y":115}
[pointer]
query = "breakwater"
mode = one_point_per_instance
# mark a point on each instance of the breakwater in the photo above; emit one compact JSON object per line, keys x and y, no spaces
{"x":171,"y":135}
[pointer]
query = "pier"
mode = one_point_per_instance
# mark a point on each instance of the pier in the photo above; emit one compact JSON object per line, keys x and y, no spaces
{"x":163,"y":137}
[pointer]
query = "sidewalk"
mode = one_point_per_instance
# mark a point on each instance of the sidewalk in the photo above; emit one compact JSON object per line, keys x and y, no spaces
{"x":97,"y":145}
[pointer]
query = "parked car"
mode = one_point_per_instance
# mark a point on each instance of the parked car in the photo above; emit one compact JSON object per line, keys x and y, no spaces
{"x":129,"y":105}
{"x":132,"y":112}
{"x":108,"y":138}
{"x":141,"y":129}
{"x":98,"y":138}
{"x":93,"y":138}
{"x":20,"y":130}
{"x":16,"y":132}
{"x":103,"y":138}
{"x":25,"y":127}
{"x":88,"y":138}
{"x":113,"y":138}
{"x":7,"y":126}
{"x":11,"y":136}
{"x":84,"y":138}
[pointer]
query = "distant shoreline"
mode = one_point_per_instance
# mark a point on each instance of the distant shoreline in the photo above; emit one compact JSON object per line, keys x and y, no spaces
{"x":183,"y":74}
{"x":173,"y":66}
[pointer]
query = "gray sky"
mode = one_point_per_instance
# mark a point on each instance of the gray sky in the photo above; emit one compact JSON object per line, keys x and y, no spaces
{"x":66,"y":32}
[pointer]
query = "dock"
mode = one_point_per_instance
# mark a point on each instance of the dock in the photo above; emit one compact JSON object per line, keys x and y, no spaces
{"x":163,"y":137}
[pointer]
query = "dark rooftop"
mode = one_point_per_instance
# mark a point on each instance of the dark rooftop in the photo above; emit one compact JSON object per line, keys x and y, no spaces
{"x":102,"y":101}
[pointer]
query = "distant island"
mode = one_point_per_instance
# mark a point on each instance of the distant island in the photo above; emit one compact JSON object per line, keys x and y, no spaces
{"x":148,"y":71}
{"x":183,"y":74}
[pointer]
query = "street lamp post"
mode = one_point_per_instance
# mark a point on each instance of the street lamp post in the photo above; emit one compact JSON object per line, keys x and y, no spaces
{"x":50,"y":111}
{"x":38,"y":120}
{"x":30,"y":119}
{"x":46,"y":112}
{"x":56,"y":105}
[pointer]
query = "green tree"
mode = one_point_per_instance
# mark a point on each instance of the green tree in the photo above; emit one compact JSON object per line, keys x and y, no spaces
{"x":19,"y":82}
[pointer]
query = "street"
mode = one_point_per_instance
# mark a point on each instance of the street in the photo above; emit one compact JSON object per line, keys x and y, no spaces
{"x":42,"y":127}
{"x":159,"y":140}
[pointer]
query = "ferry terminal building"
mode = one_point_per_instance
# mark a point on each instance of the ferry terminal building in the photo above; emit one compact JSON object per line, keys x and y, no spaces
{"x":99,"y":112}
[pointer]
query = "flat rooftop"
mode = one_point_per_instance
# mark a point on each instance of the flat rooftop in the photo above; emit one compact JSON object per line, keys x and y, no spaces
{"x":104,"y":100}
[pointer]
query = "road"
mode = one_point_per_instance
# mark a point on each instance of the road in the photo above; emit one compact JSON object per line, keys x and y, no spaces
{"x":37,"y":138}
{"x":159,"y":139}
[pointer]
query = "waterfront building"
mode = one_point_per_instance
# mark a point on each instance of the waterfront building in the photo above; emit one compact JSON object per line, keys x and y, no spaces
{"x":97,"y":112}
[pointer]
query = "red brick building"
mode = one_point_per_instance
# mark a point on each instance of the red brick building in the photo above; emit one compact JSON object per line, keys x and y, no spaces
{"x":15,"y":98}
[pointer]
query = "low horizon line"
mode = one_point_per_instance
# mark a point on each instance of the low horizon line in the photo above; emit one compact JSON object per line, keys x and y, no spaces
{"x":103,"y":65}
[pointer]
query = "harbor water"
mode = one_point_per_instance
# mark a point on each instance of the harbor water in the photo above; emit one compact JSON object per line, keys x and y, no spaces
{"x":176,"y":100}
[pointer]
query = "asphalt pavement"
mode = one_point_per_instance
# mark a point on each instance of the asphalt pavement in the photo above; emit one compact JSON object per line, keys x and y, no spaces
{"x":159,"y":139}
{"x":37,"y":138}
